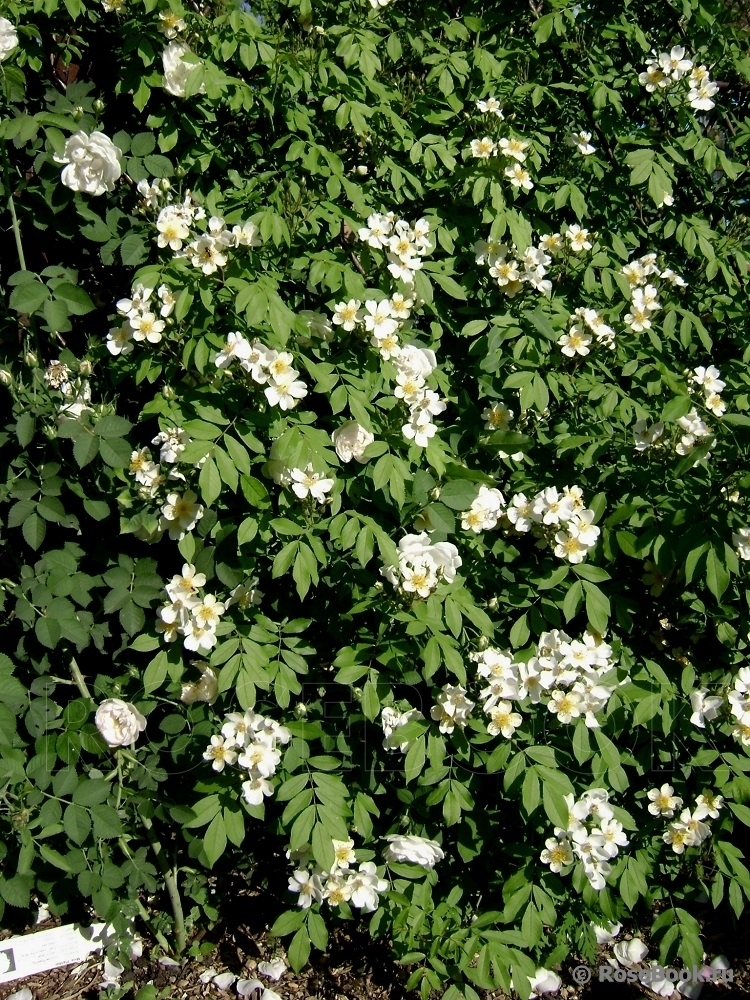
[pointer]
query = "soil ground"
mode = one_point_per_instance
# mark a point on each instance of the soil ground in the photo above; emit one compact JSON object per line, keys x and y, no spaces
{"x":353,"y":967}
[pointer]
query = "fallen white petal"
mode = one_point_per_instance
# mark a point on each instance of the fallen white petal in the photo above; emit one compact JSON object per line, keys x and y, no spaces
{"x":273,"y":970}
{"x":246,"y":987}
{"x":169,"y":962}
{"x":270,"y":995}
{"x":207,"y":975}
{"x":224,"y":980}
{"x":112,"y":973}
{"x":24,"y":994}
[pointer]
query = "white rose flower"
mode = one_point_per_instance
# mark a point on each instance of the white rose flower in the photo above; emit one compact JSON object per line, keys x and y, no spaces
{"x":206,"y":689}
{"x":176,"y":69}
{"x":93,"y":163}
{"x":119,"y":722}
{"x":8,"y":38}
{"x":350,"y":441}
{"x":416,"y":850}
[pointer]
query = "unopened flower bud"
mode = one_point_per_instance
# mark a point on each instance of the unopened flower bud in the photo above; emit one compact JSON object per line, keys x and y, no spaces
{"x":363,"y":170}
{"x":180,"y":171}
{"x":31,"y":359}
{"x":435,"y":494}
{"x":85,"y":368}
{"x":5,"y":376}
{"x":77,"y":112}
{"x":50,"y":432}
{"x":98,"y":105}
{"x":357,"y":692}
{"x":165,"y":184}
{"x":300,"y":710}
{"x":483,"y":642}
{"x":168,"y":392}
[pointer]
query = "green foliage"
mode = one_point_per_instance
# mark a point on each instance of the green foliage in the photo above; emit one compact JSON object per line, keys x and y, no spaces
{"x":300,"y":122}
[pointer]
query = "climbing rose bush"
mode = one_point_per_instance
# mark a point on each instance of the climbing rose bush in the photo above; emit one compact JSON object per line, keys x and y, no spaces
{"x":374,"y":496}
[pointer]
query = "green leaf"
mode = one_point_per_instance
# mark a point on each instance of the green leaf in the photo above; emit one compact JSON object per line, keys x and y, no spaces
{"x":48,"y":631}
{"x":459,"y":494}
{"x":158,"y":166}
{"x":370,"y":700}
{"x":322,"y":847}
{"x":573,"y":600}
{"x":112,"y":426}
{"x":415,"y":760}
{"x":530,"y":791}
{"x":215,"y":840}
{"x":717,"y":578}
{"x":302,"y":828}
{"x":115,"y":452}
{"x":34,"y":529}
{"x":107,"y":824}
{"x":597,"y":607}
{"x":449,"y":285}
{"x":85,"y":449}
{"x":25,"y":426}
{"x":91,"y":792}
{"x":155,"y":673}
{"x":676,"y":408}
{"x":520,"y":632}
{"x":77,"y":823}
{"x":76,"y":299}
{"x":317,"y":930}
{"x":555,"y":806}
{"x":209,"y":482}
{"x":439,"y":518}
{"x":287,"y":923}
{"x":741,"y":812}
{"x":143,"y":143}
{"x":299,"y":949}
{"x":28,"y":297}
{"x":16,"y":891}
{"x":132,"y":618}
{"x":133,"y":250}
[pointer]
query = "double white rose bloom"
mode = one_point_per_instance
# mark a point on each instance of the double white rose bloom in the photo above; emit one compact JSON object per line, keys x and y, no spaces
{"x":93,"y":163}
{"x":416,"y":850}
{"x":350,"y":441}
{"x":8,"y":38}
{"x":119,"y":722}
{"x":176,"y":69}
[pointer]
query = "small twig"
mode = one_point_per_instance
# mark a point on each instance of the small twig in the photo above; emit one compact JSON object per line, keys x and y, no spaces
{"x":355,"y":261}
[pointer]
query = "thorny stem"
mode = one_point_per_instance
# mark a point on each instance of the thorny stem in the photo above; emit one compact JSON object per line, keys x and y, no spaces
{"x":12,"y":207}
{"x":170,"y":881}
{"x":145,"y":916}
{"x":17,"y":233}
{"x":78,"y":678}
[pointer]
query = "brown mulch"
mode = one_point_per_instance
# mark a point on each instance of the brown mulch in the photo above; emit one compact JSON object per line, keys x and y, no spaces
{"x":352,"y":968}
